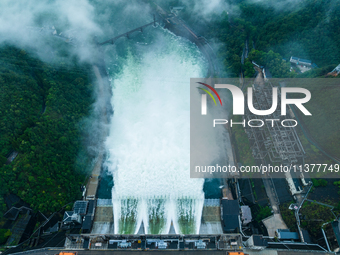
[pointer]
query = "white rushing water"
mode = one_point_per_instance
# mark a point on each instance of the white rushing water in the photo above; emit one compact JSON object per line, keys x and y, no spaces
{"x":148,"y":146}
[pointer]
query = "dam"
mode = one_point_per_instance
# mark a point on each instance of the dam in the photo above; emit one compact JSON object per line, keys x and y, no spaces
{"x":148,"y":143}
{"x":146,"y":151}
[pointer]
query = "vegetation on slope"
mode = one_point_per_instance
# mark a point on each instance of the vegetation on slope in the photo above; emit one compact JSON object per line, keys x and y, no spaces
{"x":310,"y":31}
{"x":41,"y":107}
{"x":274,"y":32}
{"x":314,"y":216}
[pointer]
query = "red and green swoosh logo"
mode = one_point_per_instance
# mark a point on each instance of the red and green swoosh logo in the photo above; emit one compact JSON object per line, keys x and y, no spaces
{"x":209,"y":93}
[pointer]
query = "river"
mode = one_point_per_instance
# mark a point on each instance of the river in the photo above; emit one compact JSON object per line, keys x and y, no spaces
{"x":148,"y":145}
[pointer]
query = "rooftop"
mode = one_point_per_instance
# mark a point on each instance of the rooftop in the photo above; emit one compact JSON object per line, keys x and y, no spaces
{"x":68,"y":216}
{"x":230,"y":207}
{"x":301,"y":60}
{"x":231,"y":212}
{"x":246,"y":214}
{"x":286,"y":234}
{"x":80,"y":207}
{"x":259,"y":240}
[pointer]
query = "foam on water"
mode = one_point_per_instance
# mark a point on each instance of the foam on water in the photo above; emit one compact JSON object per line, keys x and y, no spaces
{"x":148,"y":145}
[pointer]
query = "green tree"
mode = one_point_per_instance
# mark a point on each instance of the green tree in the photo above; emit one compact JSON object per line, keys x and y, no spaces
{"x":263,"y":213}
{"x":4,"y":234}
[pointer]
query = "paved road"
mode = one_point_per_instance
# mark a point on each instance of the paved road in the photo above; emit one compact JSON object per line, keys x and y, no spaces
{"x":299,"y":198}
{"x":270,"y":190}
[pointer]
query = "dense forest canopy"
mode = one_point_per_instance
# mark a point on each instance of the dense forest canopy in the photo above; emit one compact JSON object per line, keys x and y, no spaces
{"x":305,"y":29}
{"x":42,"y":105}
{"x":41,"y":108}
{"x":273,"y":31}
{"x":311,"y":31}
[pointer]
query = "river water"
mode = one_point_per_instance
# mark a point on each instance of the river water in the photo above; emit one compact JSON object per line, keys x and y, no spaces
{"x":148,"y":146}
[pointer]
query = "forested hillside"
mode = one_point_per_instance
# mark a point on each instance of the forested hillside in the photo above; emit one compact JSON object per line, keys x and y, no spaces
{"x":305,"y":29}
{"x":310,"y":30}
{"x":41,"y":108}
{"x":42,"y":105}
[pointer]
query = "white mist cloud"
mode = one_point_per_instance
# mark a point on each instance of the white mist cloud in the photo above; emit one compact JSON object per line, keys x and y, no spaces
{"x":206,"y":8}
{"x":21,"y":22}
{"x":281,"y":5}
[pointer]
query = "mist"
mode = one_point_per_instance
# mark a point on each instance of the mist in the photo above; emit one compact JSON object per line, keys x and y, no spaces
{"x":38,"y":25}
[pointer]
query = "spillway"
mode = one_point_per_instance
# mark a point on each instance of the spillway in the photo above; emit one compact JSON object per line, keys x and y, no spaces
{"x":148,"y":145}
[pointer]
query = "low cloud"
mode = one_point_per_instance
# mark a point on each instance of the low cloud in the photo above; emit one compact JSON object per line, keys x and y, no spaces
{"x":28,"y":24}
